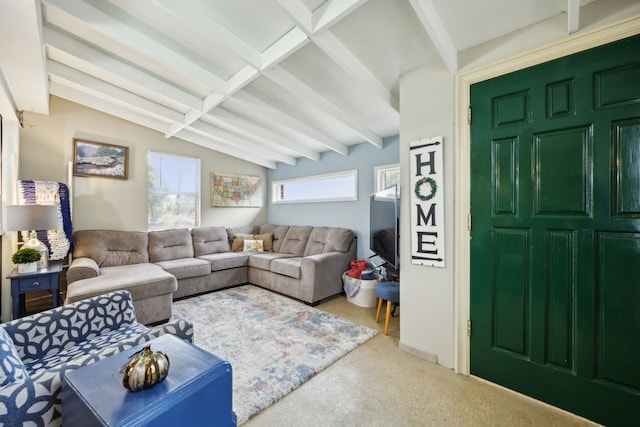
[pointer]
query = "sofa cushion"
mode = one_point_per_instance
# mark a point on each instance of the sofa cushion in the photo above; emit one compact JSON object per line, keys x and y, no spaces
{"x":186,"y":267}
{"x":248,"y":229}
{"x":253,"y":245}
{"x":267,"y":241}
{"x":279,"y":231}
{"x":238,"y":241}
{"x":210,"y":240}
{"x":226,"y":260}
{"x":328,"y":239}
{"x":11,"y":367}
{"x":262,"y":260}
{"x":170,"y":244}
{"x":141,"y":280}
{"x":296,"y":240}
{"x":287,"y":266}
{"x":110,"y":247}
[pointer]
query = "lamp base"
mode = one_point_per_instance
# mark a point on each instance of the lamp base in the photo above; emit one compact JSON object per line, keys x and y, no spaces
{"x":36,"y":244}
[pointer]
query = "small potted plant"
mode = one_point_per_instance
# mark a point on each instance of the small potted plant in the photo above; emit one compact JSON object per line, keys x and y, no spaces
{"x":26,"y":259}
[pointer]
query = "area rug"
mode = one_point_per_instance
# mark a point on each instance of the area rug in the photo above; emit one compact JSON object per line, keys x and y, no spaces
{"x":273,"y":343}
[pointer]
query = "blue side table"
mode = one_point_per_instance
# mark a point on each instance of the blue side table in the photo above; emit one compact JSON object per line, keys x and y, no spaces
{"x":197,"y":391}
{"x":39,"y":280}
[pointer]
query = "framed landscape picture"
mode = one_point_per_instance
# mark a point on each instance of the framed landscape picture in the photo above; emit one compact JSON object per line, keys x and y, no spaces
{"x":236,"y":190}
{"x":99,"y":159}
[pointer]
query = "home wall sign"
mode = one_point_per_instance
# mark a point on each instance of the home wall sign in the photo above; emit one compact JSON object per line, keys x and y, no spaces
{"x":427,"y":202}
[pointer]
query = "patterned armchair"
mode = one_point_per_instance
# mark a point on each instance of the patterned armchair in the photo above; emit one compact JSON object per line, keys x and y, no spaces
{"x":37,"y":350}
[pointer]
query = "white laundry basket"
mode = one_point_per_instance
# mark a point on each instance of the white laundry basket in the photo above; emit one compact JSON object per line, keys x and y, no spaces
{"x":366,"y":295}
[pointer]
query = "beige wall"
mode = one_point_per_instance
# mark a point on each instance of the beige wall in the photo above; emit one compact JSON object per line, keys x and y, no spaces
{"x":46,"y":145}
{"x":43,"y":148}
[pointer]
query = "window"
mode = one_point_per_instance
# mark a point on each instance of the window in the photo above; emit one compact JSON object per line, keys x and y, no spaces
{"x":333,"y":187}
{"x":173,"y":191}
{"x":385,"y":176}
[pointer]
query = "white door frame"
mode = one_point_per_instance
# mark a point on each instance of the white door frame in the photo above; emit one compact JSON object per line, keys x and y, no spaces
{"x":462,"y":258}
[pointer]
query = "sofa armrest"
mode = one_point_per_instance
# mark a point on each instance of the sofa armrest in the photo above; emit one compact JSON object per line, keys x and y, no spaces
{"x":182,"y":328}
{"x":321,"y":275}
{"x":51,"y":331}
{"x":82,"y":268}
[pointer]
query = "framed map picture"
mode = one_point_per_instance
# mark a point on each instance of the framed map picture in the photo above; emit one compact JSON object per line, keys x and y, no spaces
{"x":236,"y":191}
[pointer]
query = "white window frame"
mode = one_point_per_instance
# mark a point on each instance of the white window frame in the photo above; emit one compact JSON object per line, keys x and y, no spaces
{"x":276,"y":186}
{"x":378,"y":176}
{"x":197,"y":193}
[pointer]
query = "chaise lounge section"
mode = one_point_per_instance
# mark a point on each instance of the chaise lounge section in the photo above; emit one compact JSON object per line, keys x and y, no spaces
{"x":303,"y":262}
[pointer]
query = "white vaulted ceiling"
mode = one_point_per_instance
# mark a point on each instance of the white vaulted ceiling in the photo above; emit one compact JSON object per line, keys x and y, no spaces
{"x":267,"y":81}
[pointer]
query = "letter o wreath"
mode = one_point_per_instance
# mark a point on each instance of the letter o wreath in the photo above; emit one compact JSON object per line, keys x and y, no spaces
{"x":418,"y":187}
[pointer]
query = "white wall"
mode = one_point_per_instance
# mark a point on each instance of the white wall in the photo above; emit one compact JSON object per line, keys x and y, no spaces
{"x":10,"y":156}
{"x":426,"y":293}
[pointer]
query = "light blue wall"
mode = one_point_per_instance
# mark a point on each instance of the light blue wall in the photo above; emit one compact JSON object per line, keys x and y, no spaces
{"x":353,"y":215}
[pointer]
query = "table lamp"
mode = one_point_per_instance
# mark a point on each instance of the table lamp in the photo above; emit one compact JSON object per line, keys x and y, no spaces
{"x":33,"y":217}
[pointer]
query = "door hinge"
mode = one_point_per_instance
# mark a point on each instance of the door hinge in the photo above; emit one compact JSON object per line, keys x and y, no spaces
{"x":469,"y":222}
{"x":469,"y":115}
{"x":468,"y":328}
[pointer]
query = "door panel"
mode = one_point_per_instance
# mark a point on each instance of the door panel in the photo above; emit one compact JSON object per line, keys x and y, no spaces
{"x":555,"y":249}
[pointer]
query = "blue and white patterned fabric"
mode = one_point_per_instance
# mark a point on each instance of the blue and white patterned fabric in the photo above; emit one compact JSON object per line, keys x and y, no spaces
{"x":11,"y":367}
{"x":51,"y":343}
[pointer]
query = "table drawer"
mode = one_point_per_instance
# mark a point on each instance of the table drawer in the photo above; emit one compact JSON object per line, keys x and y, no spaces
{"x":35,"y":283}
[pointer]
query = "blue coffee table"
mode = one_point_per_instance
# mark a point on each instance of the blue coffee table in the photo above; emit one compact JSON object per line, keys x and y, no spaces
{"x":197,"y":391}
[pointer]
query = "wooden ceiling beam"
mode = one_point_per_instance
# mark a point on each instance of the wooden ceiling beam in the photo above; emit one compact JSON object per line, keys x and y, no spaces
{"x":197,"y":138}
{"x":348,"y":61}
{"x":251,"y":147}
{"x":316,"y":24}
{"x":573,"y":16}
{"x":62,"y":90}
{"x":256,"y":127}
{"x":331,"y":12}
{"x":306,"y":93}
{"x":276,"y":115}
{"x":99,"y":104}
{"x":100,"y":89}
{"x":235,"y":120}
{"x":22,"y":59}
{"x":280,"y":50}
{"x":428,"y":16}
{"x":80,"y":18}
{"x":65,"y":50}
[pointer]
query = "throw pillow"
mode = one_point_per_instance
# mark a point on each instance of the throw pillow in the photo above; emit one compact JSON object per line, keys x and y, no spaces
{"x":268,"y":240}
{"x":238,"y":241}
{"x":11,"y":367}
{"x":253,"y":246}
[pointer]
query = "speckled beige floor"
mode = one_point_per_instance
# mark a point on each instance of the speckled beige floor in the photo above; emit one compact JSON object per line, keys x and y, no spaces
{"x":379,"y":385}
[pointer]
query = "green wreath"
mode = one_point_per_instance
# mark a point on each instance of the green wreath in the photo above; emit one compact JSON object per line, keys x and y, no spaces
{"x":434,"y":188}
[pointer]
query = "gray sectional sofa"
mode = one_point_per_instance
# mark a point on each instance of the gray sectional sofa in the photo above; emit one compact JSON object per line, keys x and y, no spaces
{"x":156,"y":267}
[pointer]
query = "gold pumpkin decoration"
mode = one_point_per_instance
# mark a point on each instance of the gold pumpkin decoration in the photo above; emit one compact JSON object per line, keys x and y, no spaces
{"x":145,"y":369}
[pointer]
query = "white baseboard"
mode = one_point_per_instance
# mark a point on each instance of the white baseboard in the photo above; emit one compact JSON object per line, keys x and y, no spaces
{"x":419,"y":353}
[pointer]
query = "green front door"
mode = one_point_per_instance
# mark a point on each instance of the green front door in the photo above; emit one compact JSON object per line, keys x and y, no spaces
{"x":555,"y":249}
